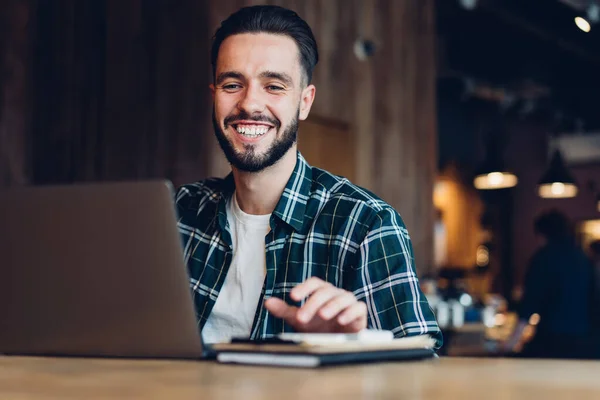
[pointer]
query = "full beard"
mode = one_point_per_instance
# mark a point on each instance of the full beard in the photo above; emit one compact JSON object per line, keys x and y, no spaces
{"x":249,"y":161}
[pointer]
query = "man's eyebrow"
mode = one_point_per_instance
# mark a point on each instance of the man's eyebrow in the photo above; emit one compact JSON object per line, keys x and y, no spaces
{"x":282,"y":76}
{"x":229,"y":74}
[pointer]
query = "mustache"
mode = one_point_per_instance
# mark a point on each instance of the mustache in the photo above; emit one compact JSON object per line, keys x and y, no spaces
{"x":232,"y":119}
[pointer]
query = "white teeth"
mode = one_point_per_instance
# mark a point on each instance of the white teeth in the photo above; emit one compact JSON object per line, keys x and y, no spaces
{"x":252,"y":131}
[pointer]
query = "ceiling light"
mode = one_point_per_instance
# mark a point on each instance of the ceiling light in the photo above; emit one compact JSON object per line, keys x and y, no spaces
{"x":495,"y":180}
{"x":582,"y":24}
{"x":492,"y":174}
{"x":557,"y":182}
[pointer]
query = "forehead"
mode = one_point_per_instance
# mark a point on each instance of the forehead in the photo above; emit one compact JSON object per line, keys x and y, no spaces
{"x":253,"y":53}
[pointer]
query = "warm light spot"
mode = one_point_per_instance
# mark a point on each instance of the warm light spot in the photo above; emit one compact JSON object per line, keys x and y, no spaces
{"x":495,"y":180}
{"x":582,"y":24}
{"x":591,"y":228}
{"x":534,"y":319}
{"x":483,"y":256}
{"x":557,"y":190}
{"x":440,"y":190}
{"x":499,"y":319}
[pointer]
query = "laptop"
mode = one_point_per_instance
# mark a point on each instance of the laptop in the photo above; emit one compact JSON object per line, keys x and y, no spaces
{"x":94,"y":270}
{"x":97,"y":270}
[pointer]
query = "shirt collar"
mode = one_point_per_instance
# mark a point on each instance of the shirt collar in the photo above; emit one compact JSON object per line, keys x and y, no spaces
{"x":291,"y":206}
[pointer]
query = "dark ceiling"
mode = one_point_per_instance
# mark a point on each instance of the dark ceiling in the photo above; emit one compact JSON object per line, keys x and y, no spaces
{"x":525,"y":55}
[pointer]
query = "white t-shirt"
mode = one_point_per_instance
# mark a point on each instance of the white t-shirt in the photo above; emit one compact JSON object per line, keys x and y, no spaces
{"x":233,"y":312}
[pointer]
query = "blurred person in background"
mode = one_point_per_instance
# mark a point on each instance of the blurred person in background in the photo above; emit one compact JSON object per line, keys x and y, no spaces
{"x":557,"y":288}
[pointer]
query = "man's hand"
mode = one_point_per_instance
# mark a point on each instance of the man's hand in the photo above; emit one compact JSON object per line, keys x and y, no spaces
{"x":327,"y":310}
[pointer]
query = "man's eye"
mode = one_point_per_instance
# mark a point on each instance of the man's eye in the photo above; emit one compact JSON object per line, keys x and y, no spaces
{"x":231,"y":86}
{"x":274,"y":88}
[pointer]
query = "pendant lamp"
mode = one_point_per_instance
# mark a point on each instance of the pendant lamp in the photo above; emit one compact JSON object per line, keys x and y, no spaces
{"x":557,"y":182}
{"x":492,"y":173}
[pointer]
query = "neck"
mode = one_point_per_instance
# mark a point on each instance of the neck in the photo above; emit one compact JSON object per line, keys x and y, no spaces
{"x":258,"y":193}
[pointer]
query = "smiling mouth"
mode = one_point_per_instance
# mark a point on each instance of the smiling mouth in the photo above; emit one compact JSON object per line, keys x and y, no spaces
{"x":251,"y":130}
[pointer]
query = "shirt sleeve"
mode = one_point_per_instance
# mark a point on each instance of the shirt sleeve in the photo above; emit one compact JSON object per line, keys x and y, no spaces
{"x":183,"y":203}
{"x":385,"y":279}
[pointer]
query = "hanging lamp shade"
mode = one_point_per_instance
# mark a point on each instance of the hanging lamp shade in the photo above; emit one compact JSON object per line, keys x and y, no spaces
{"x":493,"y":175}
{"x":557,"y":182}
{"x":495,"y":180}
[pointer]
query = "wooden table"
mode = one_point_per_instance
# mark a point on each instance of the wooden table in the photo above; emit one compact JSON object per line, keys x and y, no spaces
{"x":446,"y":378}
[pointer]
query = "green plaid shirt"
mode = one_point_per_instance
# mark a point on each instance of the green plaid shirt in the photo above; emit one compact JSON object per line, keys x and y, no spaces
{"x":322,"y":226}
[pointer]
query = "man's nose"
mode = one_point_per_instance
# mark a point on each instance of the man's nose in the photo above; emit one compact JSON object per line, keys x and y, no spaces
{"x":252,"y":100}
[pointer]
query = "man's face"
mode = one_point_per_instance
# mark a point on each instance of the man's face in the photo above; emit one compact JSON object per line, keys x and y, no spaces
{"x":259,"y":96}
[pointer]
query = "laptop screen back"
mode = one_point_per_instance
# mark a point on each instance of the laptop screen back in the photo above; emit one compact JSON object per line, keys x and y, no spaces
{"x":94,"y":269}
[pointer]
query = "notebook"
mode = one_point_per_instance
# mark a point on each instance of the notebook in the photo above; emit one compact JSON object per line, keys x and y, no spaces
{"x":315,"y":350}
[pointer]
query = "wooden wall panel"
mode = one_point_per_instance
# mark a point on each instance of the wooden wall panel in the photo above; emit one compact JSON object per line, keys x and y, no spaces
{"x":68,"y":91}
{"x":120,"y":90}
{"x":404,"y":115}
{"x":158,"y":103}
{"x":326,"y":144}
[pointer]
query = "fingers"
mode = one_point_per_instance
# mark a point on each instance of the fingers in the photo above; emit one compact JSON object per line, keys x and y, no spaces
{"x":328,"y":308}
{"x":281,"y":309}
{"x":316,"y":301}
{"x":354,"y":316}
{"x":336,"y":305}
{"x":307,"y":288}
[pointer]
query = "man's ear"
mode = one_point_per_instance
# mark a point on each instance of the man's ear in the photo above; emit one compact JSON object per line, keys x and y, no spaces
{"x":308,"y":97}
{"x":212,"y":90}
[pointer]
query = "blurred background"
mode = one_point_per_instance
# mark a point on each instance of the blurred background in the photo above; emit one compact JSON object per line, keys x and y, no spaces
{"x":470,"y":117}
